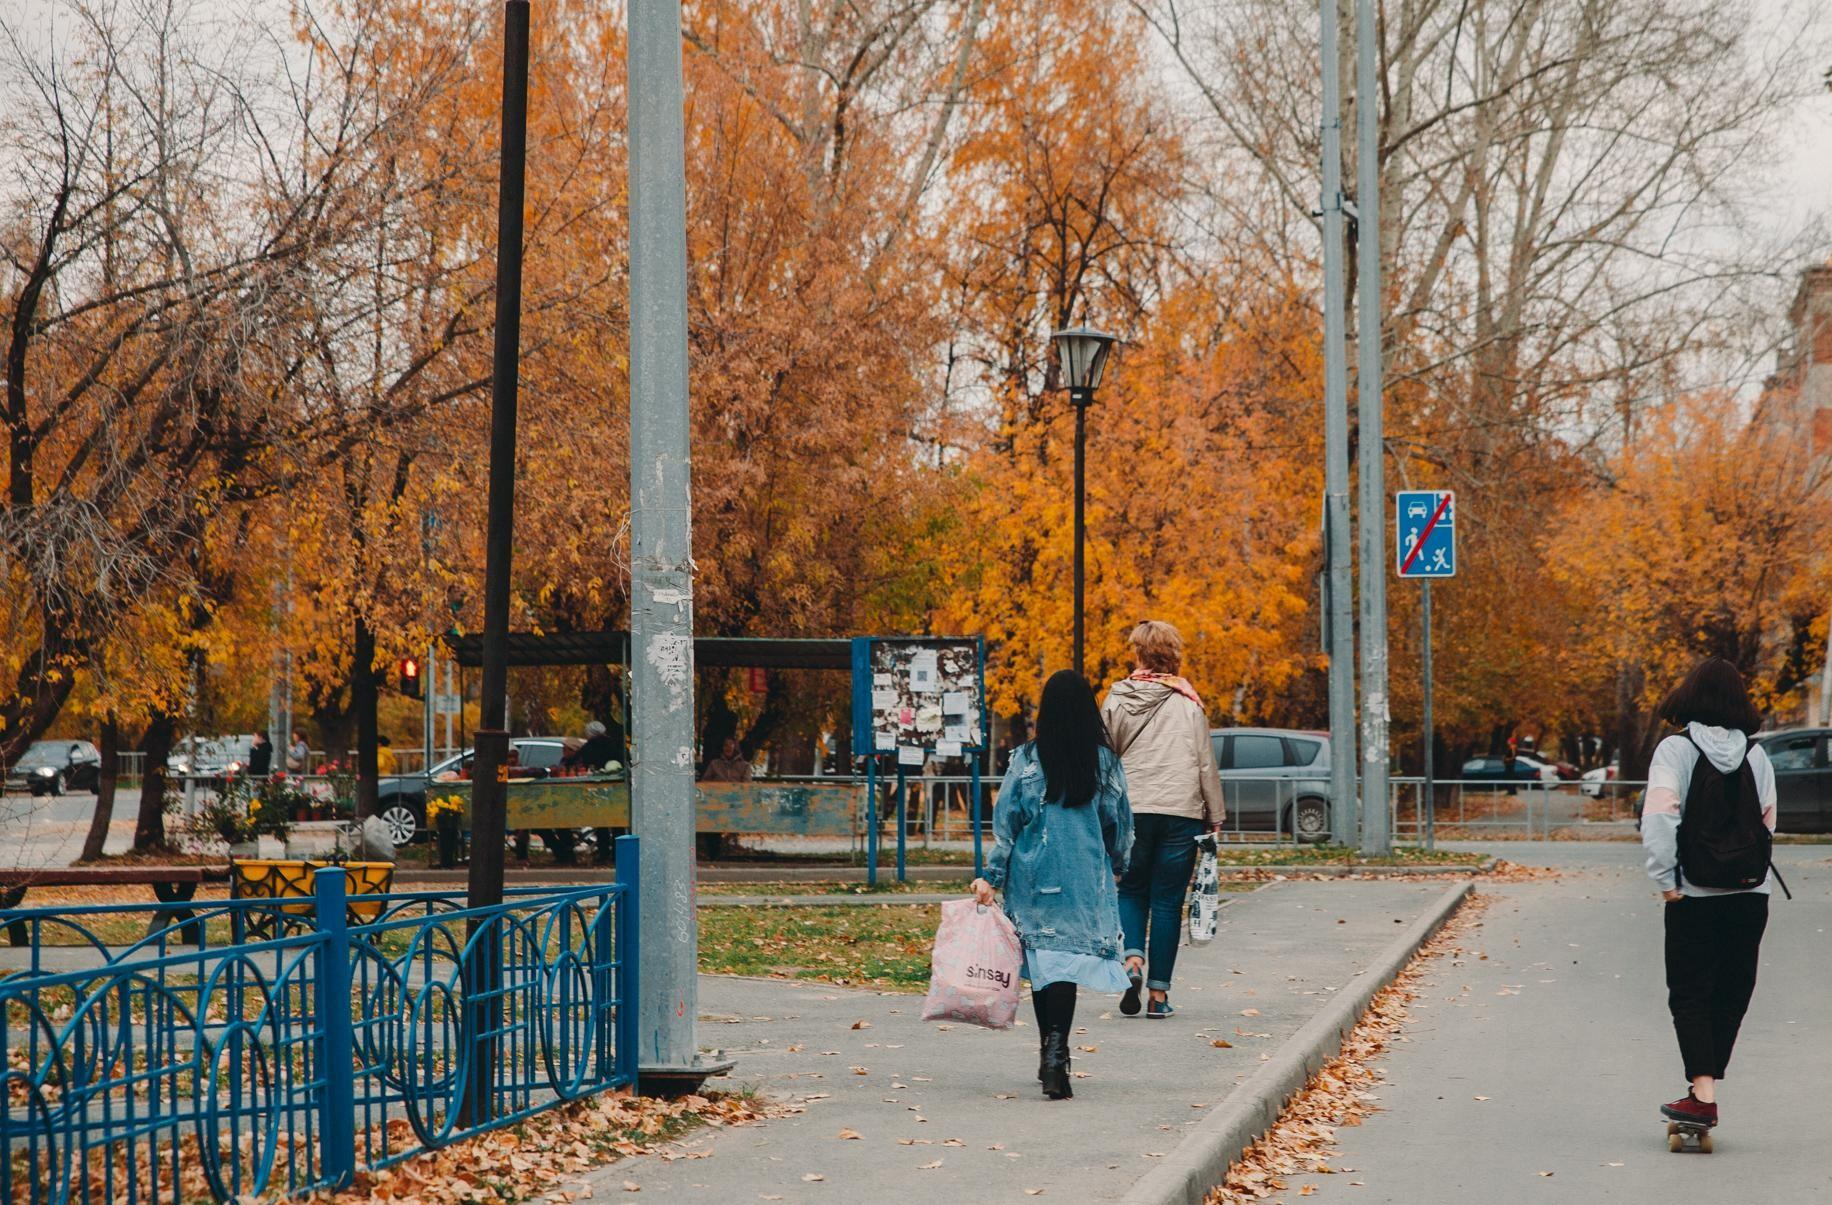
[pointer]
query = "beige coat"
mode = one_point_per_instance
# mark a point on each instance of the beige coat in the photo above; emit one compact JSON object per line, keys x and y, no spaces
{"x":1167,"y":754}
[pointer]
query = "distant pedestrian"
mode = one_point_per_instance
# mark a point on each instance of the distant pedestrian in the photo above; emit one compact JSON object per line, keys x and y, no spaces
{"x":1161,"y":732}
{"x":1707,"y":825}
{"x":1064,"y":833}
{"x":260,"y":756}
{"x":298,"y":754}
{"x":730,"y":766}
{"x":385,"y":764}
{"x":599,"y":750}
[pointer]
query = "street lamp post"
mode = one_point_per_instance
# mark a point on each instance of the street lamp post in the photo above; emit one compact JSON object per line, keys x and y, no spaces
{"x":1083,"y":354}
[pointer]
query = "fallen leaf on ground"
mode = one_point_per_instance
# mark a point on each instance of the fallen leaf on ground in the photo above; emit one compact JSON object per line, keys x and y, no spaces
{"x":631,"y":1186}
{"x":812,"y":1177}
{"x":1249,"y":1012}
{"x":1222,"y":1043}
{"x":850,"y":1135}
{"x":928,"y":1166}
{"x":861,"y":1024}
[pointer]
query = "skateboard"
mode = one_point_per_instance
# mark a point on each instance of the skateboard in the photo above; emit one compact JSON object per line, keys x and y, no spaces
{"x":1679,"y":1131}
{"x":1205,"y":900}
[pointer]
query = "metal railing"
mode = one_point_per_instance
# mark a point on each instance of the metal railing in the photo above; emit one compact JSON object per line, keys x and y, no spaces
{"x":1259,"y":810}
{"x":298,"y":1041}
{"x":1527,"y":808}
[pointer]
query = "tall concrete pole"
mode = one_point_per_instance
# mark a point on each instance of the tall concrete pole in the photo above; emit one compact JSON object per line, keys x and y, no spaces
{"x":1339,"y":592}
{"x":661,"y":578}
{"x":1375,"y":837}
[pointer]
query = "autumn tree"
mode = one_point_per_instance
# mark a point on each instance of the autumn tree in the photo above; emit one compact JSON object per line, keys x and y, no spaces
{"x":1706,"y":541}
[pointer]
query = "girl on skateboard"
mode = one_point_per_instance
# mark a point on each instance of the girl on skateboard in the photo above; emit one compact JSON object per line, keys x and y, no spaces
{"x":1713,"y":933}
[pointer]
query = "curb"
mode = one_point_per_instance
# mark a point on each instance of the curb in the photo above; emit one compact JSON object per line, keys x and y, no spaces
{"x":1329,"y":871}
{"x":1200,"y":1162}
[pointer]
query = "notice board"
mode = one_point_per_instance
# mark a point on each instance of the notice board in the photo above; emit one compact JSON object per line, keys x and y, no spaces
{"x":918,"y":695}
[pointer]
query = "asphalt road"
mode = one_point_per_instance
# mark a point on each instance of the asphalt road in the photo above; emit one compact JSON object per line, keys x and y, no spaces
{"x":37,"y":831}
{"x":1535,"y":1075}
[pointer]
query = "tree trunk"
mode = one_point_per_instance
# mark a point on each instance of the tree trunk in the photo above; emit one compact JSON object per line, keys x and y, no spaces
{"x":149,"y":827}
{"x":43,"y":684}
{"x":362,"y":698}
{"x":94,"y":845}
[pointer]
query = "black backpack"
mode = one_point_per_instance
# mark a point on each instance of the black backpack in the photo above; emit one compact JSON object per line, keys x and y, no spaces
{"x":1722,"y":840}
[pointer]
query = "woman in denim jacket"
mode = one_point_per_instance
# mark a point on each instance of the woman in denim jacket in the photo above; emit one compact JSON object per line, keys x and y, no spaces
{"x":1064,"y":832}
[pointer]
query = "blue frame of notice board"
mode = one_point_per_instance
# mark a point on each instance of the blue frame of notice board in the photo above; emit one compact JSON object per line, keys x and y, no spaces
{"x":864,"y":737}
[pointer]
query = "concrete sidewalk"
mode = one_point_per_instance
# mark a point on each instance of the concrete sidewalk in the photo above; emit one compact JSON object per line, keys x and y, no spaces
{"x":946,"y":1114}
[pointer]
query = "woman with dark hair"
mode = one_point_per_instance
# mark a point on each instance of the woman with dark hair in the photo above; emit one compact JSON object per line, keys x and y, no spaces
{"x":1713,"y":932}
{"x":1064,"y":832}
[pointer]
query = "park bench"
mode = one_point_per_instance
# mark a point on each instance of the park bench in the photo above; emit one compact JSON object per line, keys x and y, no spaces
{"x":172,"y":885}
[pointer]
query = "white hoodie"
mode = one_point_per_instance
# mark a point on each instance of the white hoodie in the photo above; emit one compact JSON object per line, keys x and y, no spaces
{"x":1669,"y":776}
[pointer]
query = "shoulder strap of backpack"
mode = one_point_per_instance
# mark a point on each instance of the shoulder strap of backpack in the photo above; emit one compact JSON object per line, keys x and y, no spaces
{"x":1776,"y":871}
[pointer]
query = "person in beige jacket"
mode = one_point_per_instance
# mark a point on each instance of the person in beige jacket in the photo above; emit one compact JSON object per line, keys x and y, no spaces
{"x":1161,"y":732}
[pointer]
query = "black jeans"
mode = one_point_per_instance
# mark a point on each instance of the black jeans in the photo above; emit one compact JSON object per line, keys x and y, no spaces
{"x":1712,"y":946}
{"x":1152,"y":890}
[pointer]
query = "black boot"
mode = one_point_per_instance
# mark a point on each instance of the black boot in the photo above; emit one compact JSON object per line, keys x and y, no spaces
{"x":1056,"y":1066}
{"x":1043,"y":1054}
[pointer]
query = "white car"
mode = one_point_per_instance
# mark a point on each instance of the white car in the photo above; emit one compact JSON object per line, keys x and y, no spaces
{"x":1593,"y":780}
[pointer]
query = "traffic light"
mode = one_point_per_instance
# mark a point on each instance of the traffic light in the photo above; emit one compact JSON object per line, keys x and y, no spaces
{"x":410,"y":677}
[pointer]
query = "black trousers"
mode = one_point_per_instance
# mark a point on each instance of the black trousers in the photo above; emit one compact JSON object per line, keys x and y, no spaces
{"x":1055,"y":1007}
{"x":1713,"y":943}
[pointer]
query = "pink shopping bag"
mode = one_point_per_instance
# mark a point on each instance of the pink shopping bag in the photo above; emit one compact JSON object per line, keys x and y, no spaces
{"x":975,"y":967}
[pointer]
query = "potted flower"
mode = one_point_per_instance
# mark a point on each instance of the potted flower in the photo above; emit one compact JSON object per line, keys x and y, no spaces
{"x":446,"y":815}
{"x":244,"y":816}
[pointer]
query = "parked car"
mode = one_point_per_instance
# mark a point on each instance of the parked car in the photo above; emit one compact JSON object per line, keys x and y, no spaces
{"x":1594,"y":780}
{"x":1803,"y":778}
{"x":52,"y":767}
{"x":1275,"y":778}
{"x":213,"y":757}
{"x":400,"y":800}
{"x":1494,"y":767}
{"x":1549,"y":769}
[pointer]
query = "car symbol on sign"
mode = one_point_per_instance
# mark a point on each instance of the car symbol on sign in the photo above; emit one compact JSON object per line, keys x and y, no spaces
{"x":1417,"y":510}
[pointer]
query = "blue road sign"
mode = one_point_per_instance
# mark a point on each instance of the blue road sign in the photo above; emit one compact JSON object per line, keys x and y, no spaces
{"x":1425,"y":533}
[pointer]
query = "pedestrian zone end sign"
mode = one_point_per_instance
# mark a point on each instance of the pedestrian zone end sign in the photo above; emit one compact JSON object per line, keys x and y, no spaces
{"x":1425,"y":533}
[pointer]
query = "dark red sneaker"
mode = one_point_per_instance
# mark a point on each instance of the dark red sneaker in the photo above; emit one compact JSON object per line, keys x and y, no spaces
{"x":1690,"y":1108}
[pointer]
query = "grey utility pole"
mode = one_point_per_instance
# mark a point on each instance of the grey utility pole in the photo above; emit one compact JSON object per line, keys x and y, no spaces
{"x":1375,"y":835}
{"x":661,"y":577}
{"x":1338,"y":594}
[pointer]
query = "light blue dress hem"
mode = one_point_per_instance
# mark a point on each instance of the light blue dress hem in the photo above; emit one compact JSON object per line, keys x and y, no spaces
{"x":1097,"y":974}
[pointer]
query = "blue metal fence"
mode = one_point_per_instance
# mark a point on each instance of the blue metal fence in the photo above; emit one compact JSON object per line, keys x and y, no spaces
{"x":363,"y":1031}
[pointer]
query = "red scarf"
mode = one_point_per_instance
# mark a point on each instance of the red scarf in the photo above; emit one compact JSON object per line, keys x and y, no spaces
{"x":1180,"y":685}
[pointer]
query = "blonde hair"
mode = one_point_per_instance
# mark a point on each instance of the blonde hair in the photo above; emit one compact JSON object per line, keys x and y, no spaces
{"x":1157,"y":646}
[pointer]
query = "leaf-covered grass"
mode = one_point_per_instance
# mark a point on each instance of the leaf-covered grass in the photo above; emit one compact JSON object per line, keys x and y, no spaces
{"x":883,"y":947}
{"x":885,"y":887}
{"x":1253,"y":854}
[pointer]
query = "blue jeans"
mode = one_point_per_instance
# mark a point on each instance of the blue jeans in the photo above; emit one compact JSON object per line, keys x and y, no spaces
{"x":1163,"y":854}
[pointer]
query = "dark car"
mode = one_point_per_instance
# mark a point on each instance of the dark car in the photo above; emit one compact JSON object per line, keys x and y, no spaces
{"x":52,"y":767}
{"x":1495,"y":767}
{"x":1803,"y":778}
{"x":1275,"y":779}
{"x":400,"y":800}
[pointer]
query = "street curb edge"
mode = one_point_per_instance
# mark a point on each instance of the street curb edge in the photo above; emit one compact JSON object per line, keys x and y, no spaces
{"x":1200,"y":1162}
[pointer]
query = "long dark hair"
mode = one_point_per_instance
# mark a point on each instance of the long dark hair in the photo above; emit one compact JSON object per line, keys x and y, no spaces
{"x":1713,"y":694}
{"x":1070,"y":736}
